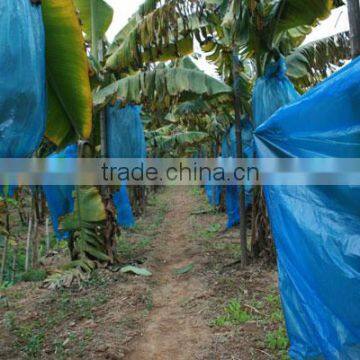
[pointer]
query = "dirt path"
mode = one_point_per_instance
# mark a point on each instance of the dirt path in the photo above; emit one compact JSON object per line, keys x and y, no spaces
{"x":207,"y":311}
{"x":171,"y":331}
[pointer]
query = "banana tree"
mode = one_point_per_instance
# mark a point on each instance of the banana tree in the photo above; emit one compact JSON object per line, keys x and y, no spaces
{"x":70,"y":111}
{"x":162,"y":87}
{"x":182,"y":83}
{"x":261,"y":32}
{"x":175,"y":141}
{"x":162,"y":31}
{"x":232,"y":32}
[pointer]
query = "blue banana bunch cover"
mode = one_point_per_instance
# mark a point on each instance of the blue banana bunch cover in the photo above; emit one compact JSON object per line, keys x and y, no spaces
{"x":22,"y":78}
{"x":317,"y":228}
{"x":212,"y":191}
{"x":126,"y":139}
{"x":60,"y":198}
{"x":272,"y":91}
{"x":213,"y":194}
{"x":232,"y":191}
{"x":125,"y":217}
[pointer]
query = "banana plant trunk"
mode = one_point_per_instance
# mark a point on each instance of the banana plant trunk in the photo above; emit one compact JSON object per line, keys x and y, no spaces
{"x":239,"y":154}
{"x":28,"y":241}
{"x":111,"y":229}
{"x":5,"y":248}
{"x":354,"y":21}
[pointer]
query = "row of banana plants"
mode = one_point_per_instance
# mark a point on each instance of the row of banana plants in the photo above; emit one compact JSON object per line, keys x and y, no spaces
{"x":149,"y":64}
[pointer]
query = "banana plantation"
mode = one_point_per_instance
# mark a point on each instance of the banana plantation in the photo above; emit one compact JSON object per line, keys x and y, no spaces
{"x":175,"y":270}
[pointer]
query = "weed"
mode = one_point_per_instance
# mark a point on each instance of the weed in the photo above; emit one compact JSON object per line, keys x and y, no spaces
{"x":88,"y":333}
{"x":96,"y":280}
{"x":210,"y":232}
{"x":214,"y":228}
{"x":148,"y":300}
{"x":273,"y":300}
{"x":125,"y":248}
{"x":234,"y":315}
{"x":277,"y":339}
{"x":129,"y":250}
{"x":33,"y":344}
{"x":85,"y":306}
{"x":257,"y":304}
{"x":59,"y":349}
{"x":277,"y":316}
{"x":9,"y":320}
{"x":196,"y":191}
{"x":30,"y":336}
{"x":6,"y":285}
{"x":33,"y":275}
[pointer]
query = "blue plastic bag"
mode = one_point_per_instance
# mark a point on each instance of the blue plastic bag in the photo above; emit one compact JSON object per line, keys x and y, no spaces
{"x":213,"y":194}
{"x":126,"y":139}
{"x":232,"y":192}
{"x":212,"y":191}
{"x":125,"y":216}
{"x":272,"y":91}
{"x":22,"y":78}
{"x":125,"y":132}
{"x":317,"y":228}
{"x":60,"y":198}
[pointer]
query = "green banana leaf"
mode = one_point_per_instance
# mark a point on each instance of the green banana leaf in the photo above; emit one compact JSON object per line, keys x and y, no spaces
{"x":96,"y":12}
{"x":89,"y":213}
{"x":162,"y":85}
{"x":70,"y":100}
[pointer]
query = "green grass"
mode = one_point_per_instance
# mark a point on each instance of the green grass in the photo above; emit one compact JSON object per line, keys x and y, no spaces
{"x":210,"y":232}
{"x":33,"y":275}
{"x":31,"y":335}
{"x":137,"y":240}
{"x":277,"y":340}
{"x":129,"y":250}
{"x":234,"y":314}
{"x":196,"y":191}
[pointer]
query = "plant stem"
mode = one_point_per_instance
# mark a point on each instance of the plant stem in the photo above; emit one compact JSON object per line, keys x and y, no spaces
{"x":35,"y":243}
{"x":15,"y":255}
{"x":47,"y":235}
{"x":28,"y":238}
{"x":94,"y":40}
{"x":354,"y":20}
{"x":5,"y":250}
{"x":239,"y":155}
{"x":97,"y":53}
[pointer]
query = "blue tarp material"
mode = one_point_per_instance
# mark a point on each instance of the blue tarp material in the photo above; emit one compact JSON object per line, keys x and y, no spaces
{"x":60,"y":198}
{"x":22,"y":78}
{"x":317,"y":228}
{"x":126,"y":132}
{"x":231,"y":191}
{"x":213,"y":194}
{"x":272,"y":91}
{"x":126,"y":139}
{"x":125,"y":216}
{"x":8,"y":191}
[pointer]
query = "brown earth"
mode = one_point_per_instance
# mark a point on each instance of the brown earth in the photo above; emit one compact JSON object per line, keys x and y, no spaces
{"x":170,"y":332}
{"x":181,"y":312}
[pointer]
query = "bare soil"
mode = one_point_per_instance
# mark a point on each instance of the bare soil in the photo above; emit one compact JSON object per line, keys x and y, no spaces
{"x":181,"y":312}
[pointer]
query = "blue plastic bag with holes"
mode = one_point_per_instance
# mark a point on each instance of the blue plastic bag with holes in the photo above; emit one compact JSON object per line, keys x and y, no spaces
{"x":22,"y":78}
{"x":272,"y":91}
{"x":126,"y":139}
{"x":232,"y":192}
{"x":60,"y":197}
